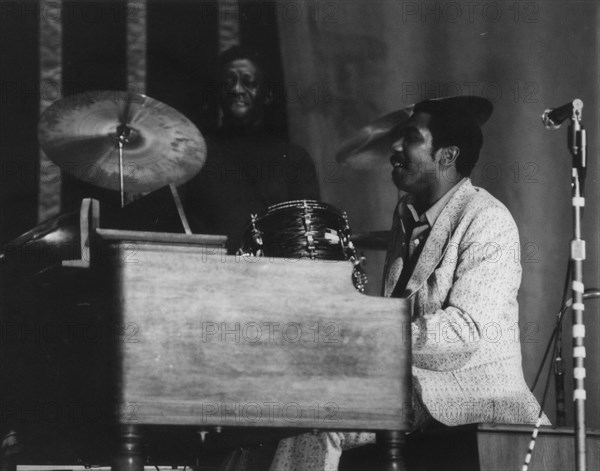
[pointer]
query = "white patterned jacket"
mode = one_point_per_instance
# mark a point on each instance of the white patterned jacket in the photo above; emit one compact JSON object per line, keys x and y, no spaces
{"x":465,"y":345}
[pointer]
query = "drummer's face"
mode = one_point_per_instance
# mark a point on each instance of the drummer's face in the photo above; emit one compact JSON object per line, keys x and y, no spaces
{"x":242,"y":92}
{"x":415,"y":161}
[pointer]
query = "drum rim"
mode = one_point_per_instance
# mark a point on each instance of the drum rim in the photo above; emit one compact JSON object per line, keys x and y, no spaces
{"x":312,"y":204}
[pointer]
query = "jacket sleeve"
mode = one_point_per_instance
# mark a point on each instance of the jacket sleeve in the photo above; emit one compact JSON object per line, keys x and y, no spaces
{"x":471,"y":297}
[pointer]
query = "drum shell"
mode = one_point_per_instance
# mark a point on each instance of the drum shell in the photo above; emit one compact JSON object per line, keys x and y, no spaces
{"x":299,"y":229}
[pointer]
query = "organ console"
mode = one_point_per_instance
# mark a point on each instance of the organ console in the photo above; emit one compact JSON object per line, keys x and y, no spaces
{"x":159,"y":348}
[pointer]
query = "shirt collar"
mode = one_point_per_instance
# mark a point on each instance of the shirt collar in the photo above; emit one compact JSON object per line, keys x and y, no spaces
{"x":435,"y":210}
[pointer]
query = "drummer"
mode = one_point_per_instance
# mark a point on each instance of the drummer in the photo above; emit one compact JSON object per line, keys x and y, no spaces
{"x":247,"y":168}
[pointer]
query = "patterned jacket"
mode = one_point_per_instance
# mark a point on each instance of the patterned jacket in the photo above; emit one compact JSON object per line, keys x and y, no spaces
{"x":465,"y":345}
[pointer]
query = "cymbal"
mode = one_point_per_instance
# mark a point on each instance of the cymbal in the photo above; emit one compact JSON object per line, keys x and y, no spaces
{"x":371,"y":146}
{"x":79,"y":134}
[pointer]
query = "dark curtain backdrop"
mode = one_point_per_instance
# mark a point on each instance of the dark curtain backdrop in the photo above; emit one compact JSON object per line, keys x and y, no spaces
{"x":348,"y":62}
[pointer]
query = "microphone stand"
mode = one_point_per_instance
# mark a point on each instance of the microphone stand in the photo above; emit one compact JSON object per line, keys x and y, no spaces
{"x":559,"y":379}
{"x":577,"y":147}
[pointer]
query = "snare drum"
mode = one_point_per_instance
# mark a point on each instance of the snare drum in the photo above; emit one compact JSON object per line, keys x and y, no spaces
{"x":302,"y":229}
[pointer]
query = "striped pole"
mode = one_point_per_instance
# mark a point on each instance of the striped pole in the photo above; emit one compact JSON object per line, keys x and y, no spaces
{"x":229,"y":24}
{"x":50,"y":54}
{"x":136,"y":45}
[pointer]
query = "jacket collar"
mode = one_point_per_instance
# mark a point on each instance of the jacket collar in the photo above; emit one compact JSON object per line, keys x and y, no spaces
{"x":437,"y":241}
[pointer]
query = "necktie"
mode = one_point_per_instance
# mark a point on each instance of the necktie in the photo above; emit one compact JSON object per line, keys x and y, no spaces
{"x":405,"y":247}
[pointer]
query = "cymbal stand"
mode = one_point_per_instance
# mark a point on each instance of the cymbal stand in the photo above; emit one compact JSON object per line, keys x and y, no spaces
{"x":123,"y":132}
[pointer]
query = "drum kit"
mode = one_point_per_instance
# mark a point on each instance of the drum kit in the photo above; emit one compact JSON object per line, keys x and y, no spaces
{"x":303,"y":229}
{"x":129,"y":142}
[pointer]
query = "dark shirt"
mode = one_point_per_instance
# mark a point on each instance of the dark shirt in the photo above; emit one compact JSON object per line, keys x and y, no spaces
{"x":244,"y":175}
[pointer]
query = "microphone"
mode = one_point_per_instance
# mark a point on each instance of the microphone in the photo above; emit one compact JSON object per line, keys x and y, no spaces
{"x":552,"y":118}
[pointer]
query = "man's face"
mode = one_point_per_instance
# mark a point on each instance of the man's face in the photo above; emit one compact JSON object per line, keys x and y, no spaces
{"x":242,"y":94}
{"x":416,"y":164}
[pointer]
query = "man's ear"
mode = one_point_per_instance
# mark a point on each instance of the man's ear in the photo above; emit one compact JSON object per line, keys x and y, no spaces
{"x":449,"y":155}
